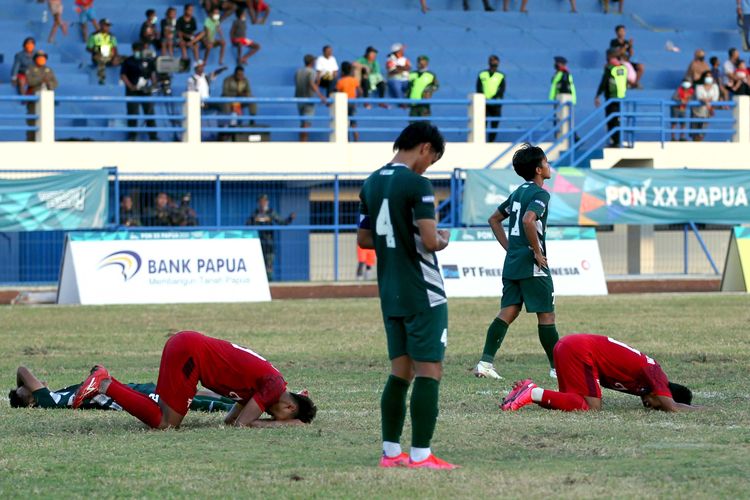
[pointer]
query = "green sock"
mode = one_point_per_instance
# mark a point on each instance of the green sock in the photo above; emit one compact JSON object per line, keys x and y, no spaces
{"x":495,"y":335}
{"x":548,"y":337}
{"x":393,"y":408}
{"x":206,"y":403}
{"x":424,"y":411}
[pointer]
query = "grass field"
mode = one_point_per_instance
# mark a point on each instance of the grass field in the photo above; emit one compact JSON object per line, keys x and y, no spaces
{"x":336,"y":349}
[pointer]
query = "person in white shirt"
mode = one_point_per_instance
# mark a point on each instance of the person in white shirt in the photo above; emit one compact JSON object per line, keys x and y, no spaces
{"x":728,"y":69}
{"x":706,"y":93}
{"x":327,"y":69}
{"x":201,"y":82}
{"x":398,"y":67}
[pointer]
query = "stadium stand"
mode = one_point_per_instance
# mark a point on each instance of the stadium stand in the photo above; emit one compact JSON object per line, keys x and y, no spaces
{"x":457,"y":42}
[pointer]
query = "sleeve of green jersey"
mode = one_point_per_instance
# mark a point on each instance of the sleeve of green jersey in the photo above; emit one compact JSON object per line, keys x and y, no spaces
{"x":423,"y":199}
{"x":44,"y":399}
{"x":539,"y":203}
{"x":504,"y":207}
{"x":364,"y":213}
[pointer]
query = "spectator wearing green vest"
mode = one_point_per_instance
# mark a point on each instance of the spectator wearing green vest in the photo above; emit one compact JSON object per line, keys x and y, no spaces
{"x":614,"y":85}
{"x":103,"y":48}
{"x":491,"y":83}
{"x":422,"y":84}
{"x":562,"y":90}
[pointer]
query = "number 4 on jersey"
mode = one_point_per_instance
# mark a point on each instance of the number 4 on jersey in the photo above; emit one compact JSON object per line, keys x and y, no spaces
{"x":383,"y":226}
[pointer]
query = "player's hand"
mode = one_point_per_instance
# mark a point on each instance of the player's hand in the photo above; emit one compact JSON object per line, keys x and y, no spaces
{"x":541,"y":260}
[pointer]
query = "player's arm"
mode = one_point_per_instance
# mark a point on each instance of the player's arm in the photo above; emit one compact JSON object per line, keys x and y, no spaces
{"x":433,"y":239}
{"x":667,"y":404}
{"x":249,"y":416}
{"x":496,"y":224}
{"x":24,"y":378}
{"x":533,"y":212}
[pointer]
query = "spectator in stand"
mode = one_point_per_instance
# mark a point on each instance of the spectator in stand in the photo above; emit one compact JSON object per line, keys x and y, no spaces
{"x":149,"y":34}
{"x":683,"y":95}
{"x":728,"y":68}
{"x":350,"y":86}
{"x":488,"y":7}
{"x":425,"y":9}
{"x":103,"y":48}
{"x":306,"y":86}
{"x":237,"y":85}
{"x":201,"y":82}
{"x":186,"y":214}
{"x":741,"y":79}
{"x":562,"y":89}
{"x":213,"y":35}
{"x":22,"y":61}
{"x":239,"y":39}
{"x":86,"y":14}
{"x":697,"y":67}
{"x":743,"y":19}
{"x":38,"y":77}
{"x":327,"y":70}
{"x":398,"y":67}
{"x":422,"y":84}
{"x":605,"y":6}
{"x":56,"y":8}
{"x":168,"y":32}
{"x":163,"y":213}
{"x":139,"y":76}
{"x":264,"y":215}
{"x":614,"y":86}
{"x":259,"y":11}
{"x":129,"y":216}
{"x":186,"y":28}
{"x":626,"y":54}
{"x":371,"y":77}
{"x":706,"y":92}
{"x":491,"y":83}
{"x":716,"y":73}
{"x":506,"y":4}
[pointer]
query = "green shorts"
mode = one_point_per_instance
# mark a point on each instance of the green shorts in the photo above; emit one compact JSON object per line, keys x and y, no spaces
{"x":422,"y":336}
{"x":537,"y":293}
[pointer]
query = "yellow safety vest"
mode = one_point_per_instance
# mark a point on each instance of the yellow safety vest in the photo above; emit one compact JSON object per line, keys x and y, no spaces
{"x":618,"y":81}
{"x":490,"y":83}
{"x":419,"y":83}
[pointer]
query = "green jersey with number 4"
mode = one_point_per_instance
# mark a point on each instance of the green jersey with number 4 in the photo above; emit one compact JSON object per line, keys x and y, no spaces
{"x":519,"y":261}
{"x":394,"y":198}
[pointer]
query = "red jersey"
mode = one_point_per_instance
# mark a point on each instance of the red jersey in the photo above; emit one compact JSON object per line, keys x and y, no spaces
{"x":234,"y":371}
{"x":619,"y":366}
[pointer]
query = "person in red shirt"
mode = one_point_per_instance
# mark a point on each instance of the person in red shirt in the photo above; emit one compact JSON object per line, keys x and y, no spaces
{"x":228,"y":369}
{"x":585,"y":363}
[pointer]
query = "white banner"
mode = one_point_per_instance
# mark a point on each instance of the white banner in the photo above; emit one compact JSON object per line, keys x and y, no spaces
{"x":472,"y":264}
{"x":143,"y":267}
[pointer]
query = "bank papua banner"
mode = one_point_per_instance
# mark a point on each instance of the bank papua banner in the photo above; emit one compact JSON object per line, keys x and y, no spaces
{"x":76,"y":200}
{"x":620,"y":196}
{"x":142,"y":267}
{"x":472,"y":263}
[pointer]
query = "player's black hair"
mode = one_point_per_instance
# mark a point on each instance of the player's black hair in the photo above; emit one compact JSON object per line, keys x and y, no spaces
{"x":15,"y":399}
{"x":527,"y":159}
{"x":306,"y":409}
{"x":150,"y":12}
{"x":680,"y":393}
{"x":346,"y":68}
{"x":617,"y":28}
{"x":418,"y":133}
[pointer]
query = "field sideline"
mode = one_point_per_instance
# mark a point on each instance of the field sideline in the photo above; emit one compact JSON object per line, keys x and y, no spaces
{"x":336,"y":349}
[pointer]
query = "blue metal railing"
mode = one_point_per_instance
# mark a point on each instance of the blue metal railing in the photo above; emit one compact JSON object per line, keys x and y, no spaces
{"x":23,"y":121}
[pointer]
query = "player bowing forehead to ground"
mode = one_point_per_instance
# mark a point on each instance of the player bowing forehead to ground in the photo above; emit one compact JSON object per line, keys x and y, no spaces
{"x":227,"y":369}
{"x":586,"y":362}
{"x":398,"y":220}
{"x":526,"y":277}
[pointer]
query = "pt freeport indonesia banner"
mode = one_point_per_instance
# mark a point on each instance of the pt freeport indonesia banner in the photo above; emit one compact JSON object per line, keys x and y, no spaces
{"x":143,"y":267}
{"x":472,"y":264}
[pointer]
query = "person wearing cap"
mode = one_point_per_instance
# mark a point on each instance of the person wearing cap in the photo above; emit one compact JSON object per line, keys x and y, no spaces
{"x":201,"y":82}
{"x":422,"y":84}
{"x":264,"y":215}
{"x":22,"y":61}
{"x":138,"y":73}
{"x":614,"y":86}
{"x":698,"y":66}
{"x":491,"y":83}
{"x":398,"y":67}
{"x":103,"y":48}
{"x":562,"y":89}
{"x":38,"y":77}
{"x":370,"y":74}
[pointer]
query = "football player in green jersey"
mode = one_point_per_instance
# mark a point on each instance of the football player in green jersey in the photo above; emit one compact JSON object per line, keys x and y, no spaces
{"x":397,"y":219}
{"x":526,"y":277}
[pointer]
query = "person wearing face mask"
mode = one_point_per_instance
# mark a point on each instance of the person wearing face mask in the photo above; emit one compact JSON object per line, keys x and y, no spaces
{"x":139,"y":76}
{"x":682,"y":95}
{"x":614,"y":85}
{"x":213,"y":35}
{"x":168,"y":28}
{"x":149,"y":34}
{"x":22,"y":61}
{"x":706,"y":93}
{"x":697,"y":67}
{"x":38,"y":77}
{"x":491,"y":83}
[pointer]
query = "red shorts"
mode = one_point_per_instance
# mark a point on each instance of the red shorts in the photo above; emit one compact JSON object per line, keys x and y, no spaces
{"x":261,"y":6}
{"x":366,"y":256}
{"x":245,"y":42}
{"x":178,"y":372}
{"x":575,"y":371}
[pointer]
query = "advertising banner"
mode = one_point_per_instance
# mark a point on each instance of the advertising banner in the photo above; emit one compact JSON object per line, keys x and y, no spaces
{"x":582,"y":197}
{"x":142,"y":267}
{"x":76,"y":200}
{"x":736,"y":277}
{"x":472,"y":263}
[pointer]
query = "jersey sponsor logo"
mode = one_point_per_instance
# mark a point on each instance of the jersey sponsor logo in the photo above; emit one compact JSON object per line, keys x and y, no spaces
{"x":128,"y":261}
{"x":428,"y":199}
{"x":387,"y":172}
{"x":541,"y":203}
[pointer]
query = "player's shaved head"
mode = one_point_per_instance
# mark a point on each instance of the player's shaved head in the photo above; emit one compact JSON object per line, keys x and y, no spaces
{"x":680,"y":393}
{"x":306,"y":409}
{"x":420,"y":133}
{"x":527,"y":159}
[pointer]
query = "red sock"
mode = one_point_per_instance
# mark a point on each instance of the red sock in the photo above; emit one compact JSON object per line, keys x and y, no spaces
{"x":139,"y":405}
{"x":565,"y":401}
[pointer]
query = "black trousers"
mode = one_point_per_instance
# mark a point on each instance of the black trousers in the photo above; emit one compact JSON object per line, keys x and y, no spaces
{"x":612,"y":111}
{"x":365,"y":86}
{"x":148,"y":109}
{"x":494,"y":111}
